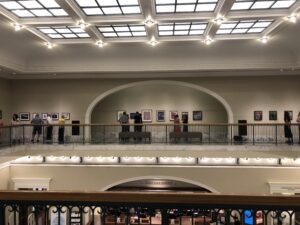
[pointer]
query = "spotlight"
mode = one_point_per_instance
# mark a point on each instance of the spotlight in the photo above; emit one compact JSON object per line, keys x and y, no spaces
{"x":219,"y":20}
{"x":149,"y":22}
{"x":208,"y":40}
{"x":153,"y":42}
{"x":83,"y":25}
{"x":17,"y":26}
{"x":264,"y":39}
{"x":100,"y":44}
{"x":49,"y":45}
{"x":292,"y":18}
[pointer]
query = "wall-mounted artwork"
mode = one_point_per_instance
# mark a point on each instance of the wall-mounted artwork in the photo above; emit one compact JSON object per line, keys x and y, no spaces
{"x":160,"y":115}
{"x":172,"y":114}
{"x":24,"y":116}
{"x":33,"y":115}
{"x":290,"y":113}
{"x":132,"y":115}
{"x":44,"y":116}
{"x":146,"y":115}
{"x":66,"y":115}
{"x":55,"y":116}
{"x":197,"y":115}
{"x":120,"y":113}
{"x":185,"y":116}
{"x":258,"y":115}
{"x":272,"y":115}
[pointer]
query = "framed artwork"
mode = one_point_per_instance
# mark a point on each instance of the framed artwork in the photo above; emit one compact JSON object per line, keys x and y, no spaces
{"x":197,"y":115}
{"x":132,"y":115}
{"x":258,"y":115}
{"x":120,"y":113}
{"x":146,"y":115}
{"x":160,"y":115}
{"x":66,"y":115}
{"x":290,"y":113}
{"x":272,"y":115}
{"x":24,"y":116}
{"x":172,"y":114}
{"x":44,"y":116}
{"x":55,"y":116}
{"x":184,"y":116}
{"x":33,"y":115}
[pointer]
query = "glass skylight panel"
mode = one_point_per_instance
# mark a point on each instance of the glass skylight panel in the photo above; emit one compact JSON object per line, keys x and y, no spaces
{"x":34,"y":8}
{"x":185,"y":6}
{"x":182,"y":29}
{"x":123,"y":31}
{"x":244,"y":27}
{"x":64,"y":32}
{"x":109,"y":7}
{"x":262,"y":4}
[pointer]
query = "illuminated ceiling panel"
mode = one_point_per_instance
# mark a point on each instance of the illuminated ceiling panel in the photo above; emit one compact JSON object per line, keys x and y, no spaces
{"x":61,"y":32}
{"x":123,"y":31}
{"x":262,"y":4}
{"x":182,"y":29}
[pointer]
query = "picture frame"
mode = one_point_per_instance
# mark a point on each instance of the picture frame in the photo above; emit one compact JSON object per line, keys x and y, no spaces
{"x":55,"y":116}
{"x":44,"y":116}
{"x":184,"y":115}
{"x":120,"y":113}
{"x":258,"y":115}
{"x":24,"y":116}
{"x":272,"y":115}
{"x":290,"y":113}
{"x":160,"y":115}
{"x":132,"y":115}
{"x":34,"y":114}
{"x":147,"y":115}
{"x":197,"y":115}
{"x":172,"y":114}
{"x":66,"y":115}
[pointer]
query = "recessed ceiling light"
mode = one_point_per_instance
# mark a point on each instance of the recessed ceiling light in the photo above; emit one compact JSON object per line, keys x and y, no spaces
{"x":208,"y":40}
{"x":17,"y":26}
{"x":49,"y":45}
{"x":149,"y":22}
{"x":100,"y":44}
{"x":219,"y":20}
{"x":292,"y":18}
{"x":153,"y":42}
{"x":83,"y":25}
{"x":264,"y":39}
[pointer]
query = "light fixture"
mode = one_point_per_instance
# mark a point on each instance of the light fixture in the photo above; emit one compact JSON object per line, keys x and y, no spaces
{"x":153,"y":42}
{"x":208,"y":40}
{"x":82,"y":24}
{"x":49,"y":45}
{"x":264,"y":39}
{"x":292,"y":18}
{"x":219,"y":20}
{"x":100,"y":44}
{"x":17,"y":26}
{"x":149,"y":22}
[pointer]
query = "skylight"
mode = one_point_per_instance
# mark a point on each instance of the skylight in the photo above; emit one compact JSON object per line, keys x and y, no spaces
{"x":182,"y":29}
{"x":109,"y":7}
{"x":34,"y":8}
{"x":262,"y":4}
{"x":123,"y":31}
{"x":244,"y":27}
{"x":56,"y":32}
{"x":185,"y":6}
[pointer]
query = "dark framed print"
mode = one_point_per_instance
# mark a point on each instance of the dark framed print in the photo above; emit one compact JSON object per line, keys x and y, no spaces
{"x":132,"y":115}
{"x":172,"y":114}
{"x":24,"y":116}
{"x":66,"y":115}
{"x":160,"y":115}
{"x":290,"y":113}
{"x":273,"y":115}
{"x":147,"y":115}
{"x":44,"y":116}
{"x":197,"y":115}
{"x":184,"y":116}
{"x":258,"y":115}
{"x":55,"y":116}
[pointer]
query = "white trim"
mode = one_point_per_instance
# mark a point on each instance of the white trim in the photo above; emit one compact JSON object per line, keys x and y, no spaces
{"x":31,"y":183}
{"x":284,"y":188}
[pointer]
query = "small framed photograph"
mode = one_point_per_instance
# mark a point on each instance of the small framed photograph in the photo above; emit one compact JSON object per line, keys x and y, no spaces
{"x":184,"y":116}
{"x":273,"y":115}
{"x":34,"y":114}
{"x":197,"y":115}
{"x":172,"y":114}
{"x":44,"y":116}
{"x":160,"y":115}
{"x":258,"y":115}
{"x":24,"y":116}
{"x":66,"y":115}
{"x":147,"y":115}
{"x":120,"y":113}
{"x":55,"y":116}
{"x":290,"y":113}
{"x":132,"y":115}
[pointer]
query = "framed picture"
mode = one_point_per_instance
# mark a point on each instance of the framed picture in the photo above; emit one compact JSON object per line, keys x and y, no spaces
{"x":272,"y":115}
{"x":290,"y":113}
{"x":172,"y":114}
{"x":55,"y":116}
{"x":33,"y":115}
{"x":66,"y":115}
{"x":132,"y":115}
{"x":24,"y":116}
{"x":258,"y":115}
{"x":120,"y":113}
{"x":44,"y":116}
{"x":184,"y":116}
{"x":146,"y":115}
{"x":160,"y":115}
{"x":197,"y":115}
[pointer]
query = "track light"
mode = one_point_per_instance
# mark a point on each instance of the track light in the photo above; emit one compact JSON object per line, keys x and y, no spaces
{"x":292,"y":18}
{"x":100,"y":44}
{"x":82,"y":24}
{"x":49,"y":45}
{"x":17,"y":26}
{"x":153,"y":42}
{"x":149,"y":22}
{"x":264,"y":39}
{"x":219,"y":20}
{"x":208,"y":40}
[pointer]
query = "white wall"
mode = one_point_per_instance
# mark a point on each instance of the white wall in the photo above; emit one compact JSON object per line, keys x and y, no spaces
{"x":5,"y":177}
{"x":5,"y":100}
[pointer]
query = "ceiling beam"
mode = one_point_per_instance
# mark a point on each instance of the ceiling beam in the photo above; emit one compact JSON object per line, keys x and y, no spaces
{"x":9,"y":15}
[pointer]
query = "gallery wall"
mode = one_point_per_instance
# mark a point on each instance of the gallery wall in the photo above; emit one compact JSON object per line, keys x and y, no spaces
{"x":5,"y":100}
{"x":244,"y":95}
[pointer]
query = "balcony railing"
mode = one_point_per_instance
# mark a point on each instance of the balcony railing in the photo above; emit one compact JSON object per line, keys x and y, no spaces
{"x":145,"y":208}
{"x":153,"y":133}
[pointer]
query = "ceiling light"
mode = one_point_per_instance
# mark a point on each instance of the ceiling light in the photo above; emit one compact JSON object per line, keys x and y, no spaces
{"x":17,"y":26}
{"x":149,"y":22}
{"x":264,"y":39}
{"x":49,"y":45}
{"x":292,"y":18}
{"x":82,"y":24}
{"x":100,"y":44}
{"x":153,"y":42}
{"x":219,"y":20}
{"x":208,"y":40}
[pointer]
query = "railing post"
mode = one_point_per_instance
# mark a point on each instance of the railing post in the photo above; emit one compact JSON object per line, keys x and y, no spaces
{"x":209,"y":134}
{"x":164,"y":217}
{"x":276,"y":140}
{"x":23,"y":131}
{"x":10,"y":130}
{"x":83,"y":134}
{"x":43,"y":134}
{"x":253,"y":133}
{"x":104,"y":134}
{"x":166,"y":134}
{"x":231,"y":133}
{"x":2,"y":215}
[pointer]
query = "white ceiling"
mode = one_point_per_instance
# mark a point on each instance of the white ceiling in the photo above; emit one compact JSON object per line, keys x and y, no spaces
{"x":179,"y":34}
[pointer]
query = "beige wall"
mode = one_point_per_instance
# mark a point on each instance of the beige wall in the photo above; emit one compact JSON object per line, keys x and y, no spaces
{"x":96,"y":178}
{"x":4,"y":178}
{"x":5,"y":100}
{"x":244,"y":95}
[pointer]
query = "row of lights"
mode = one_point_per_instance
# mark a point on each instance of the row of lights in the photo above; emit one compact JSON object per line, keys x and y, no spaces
{"x":203,"y":161}
{"x":149,"y":22}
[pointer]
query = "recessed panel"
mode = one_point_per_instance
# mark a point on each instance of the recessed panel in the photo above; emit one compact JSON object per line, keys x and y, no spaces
{"x":182,"y":29}
{"x":67,"y":32}
{"x":123,"y":30}
{"x":261,"y":4}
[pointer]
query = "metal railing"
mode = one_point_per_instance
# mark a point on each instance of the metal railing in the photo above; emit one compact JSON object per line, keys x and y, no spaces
{"x":152,"y":133}
{"x":145,"y":208}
